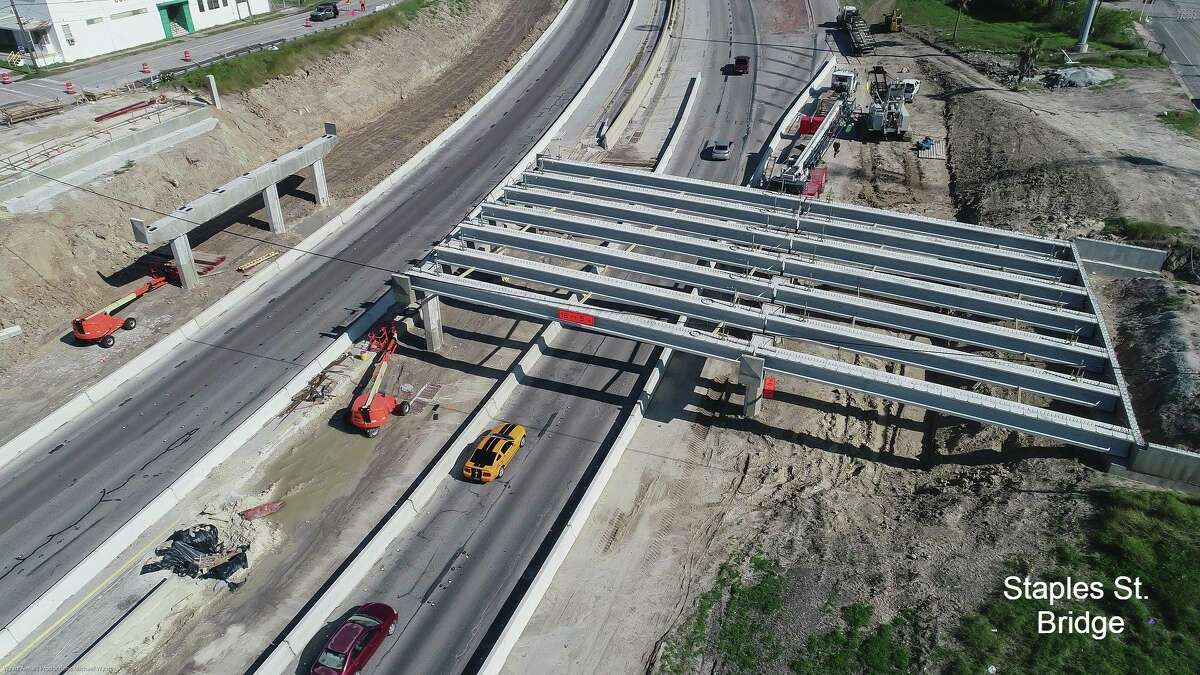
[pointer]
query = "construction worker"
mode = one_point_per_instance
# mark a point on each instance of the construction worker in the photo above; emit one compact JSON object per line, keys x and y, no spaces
{"x":837,"y":147}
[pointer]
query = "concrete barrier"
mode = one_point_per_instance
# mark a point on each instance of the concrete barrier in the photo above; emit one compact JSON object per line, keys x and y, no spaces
{"x":566,"y":539}
{"x":689,"y":99}
{"x":281,"y":657}
{"x":619,"y":122}
{"x":804,"y":99}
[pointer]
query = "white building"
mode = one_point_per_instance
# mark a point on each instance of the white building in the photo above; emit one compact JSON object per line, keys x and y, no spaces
{"x":68,"y":31}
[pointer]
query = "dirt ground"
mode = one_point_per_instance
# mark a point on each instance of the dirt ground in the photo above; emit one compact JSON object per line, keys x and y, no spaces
{"x":860,"y":499}
{"x":78,"y":253}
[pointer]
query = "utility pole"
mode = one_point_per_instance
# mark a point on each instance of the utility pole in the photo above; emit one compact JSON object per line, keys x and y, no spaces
{"x":1086,"y":28}
{"x":962,"y":4}
{"x":28,"y":36}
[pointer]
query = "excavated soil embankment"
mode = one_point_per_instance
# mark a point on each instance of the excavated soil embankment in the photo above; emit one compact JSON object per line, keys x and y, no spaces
{"x":388,"y":93}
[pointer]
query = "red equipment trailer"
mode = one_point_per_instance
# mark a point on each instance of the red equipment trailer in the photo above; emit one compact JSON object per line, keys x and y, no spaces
{"x":372,"y":409}
{"x":99,"y":326}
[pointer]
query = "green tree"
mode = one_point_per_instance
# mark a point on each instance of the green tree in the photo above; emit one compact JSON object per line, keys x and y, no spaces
{"x":1030,"y":52}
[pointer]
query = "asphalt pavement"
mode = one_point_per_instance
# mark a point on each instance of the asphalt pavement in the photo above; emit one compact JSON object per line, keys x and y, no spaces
{"x":108,"y":72}
{"x":68,"y":493}
{"x":452,"y":577}
{"x":1176,"y":24}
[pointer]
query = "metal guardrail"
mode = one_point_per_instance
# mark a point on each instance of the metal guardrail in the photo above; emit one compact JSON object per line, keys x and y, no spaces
{"x":46,"y":151}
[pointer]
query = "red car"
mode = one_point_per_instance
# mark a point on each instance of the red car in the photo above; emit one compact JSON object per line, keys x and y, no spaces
{"x":356,"y":640}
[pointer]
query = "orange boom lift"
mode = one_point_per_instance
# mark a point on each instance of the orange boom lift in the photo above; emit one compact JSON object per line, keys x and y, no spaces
{"x":99,"y":326}
{"x":372,"y":409}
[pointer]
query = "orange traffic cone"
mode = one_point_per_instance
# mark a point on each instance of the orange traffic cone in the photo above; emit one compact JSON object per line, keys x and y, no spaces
{"x":145,"y":67}
{"x":5,"y":79}
{"x":187,"y":55}
{"x":70,"y":87}
{"x":307,"y":22}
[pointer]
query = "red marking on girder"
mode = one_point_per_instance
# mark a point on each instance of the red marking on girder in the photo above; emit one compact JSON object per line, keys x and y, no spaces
{"x":769,"y":386}
{"x":576,"y":317}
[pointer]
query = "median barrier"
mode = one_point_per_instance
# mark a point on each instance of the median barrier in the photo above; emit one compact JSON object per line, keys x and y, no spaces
{"x":279,"y":659}
{"x":634,"y":102}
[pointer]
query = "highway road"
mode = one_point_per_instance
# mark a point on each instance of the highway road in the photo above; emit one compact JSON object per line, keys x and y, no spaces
{"x":114,"y":71}
{"x":452,"y":577}
{"x":1176,"y":24}
{"x":65,"y":495}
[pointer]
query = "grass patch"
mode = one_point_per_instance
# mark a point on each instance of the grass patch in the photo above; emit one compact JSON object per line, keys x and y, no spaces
{"x":1141,"y":230}
{"x":1150,"y":535}
{"x":853,"y":649}
{"x":1001,"y":26}
{"x":1143,"y":534}
{"x":1184,"y":121}
{"x":742,"y":636}
{"x":253,"y":70}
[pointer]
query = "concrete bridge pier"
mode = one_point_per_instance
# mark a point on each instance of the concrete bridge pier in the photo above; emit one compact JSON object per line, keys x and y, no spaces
{"x":188,"y":277}
{"x":318,"y":168}
{"x":270,"y":195}
{"x":431,"y":320}
{"x":750,"y":375}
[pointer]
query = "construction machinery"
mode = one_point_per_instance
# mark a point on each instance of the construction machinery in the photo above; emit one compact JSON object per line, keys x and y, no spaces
{"x":861,"y":41}
{"x":372,"y":409}
{"x":887,"y":115}
{"x":99,"y":326}
{"x":893,"y":22}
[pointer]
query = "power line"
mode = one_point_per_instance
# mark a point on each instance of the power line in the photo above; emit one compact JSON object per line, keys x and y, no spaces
{"x":260,"y":240}
{"x":849,"y":344}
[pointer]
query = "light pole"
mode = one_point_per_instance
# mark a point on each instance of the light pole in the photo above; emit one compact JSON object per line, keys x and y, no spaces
{"x":1086,"y":28}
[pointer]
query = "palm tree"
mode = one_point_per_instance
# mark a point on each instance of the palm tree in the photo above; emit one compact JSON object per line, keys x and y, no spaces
{"x":1030,"y":52}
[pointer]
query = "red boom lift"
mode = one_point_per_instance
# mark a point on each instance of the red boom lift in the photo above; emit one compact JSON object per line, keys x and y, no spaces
{"x":372,"y":409}
{"x":99,"y":326}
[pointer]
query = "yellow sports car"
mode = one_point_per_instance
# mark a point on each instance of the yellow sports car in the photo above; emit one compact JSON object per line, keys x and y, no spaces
{"x":493,"y":452}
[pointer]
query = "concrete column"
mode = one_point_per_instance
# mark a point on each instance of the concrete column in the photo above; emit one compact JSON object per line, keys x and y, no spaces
{"x":318,"y":168}
{"x":274,"y":211}
{"x":431,"y":320}
{"x":212,"y":89}
{"x":402,"y":290}
{"x":750,"y":375}
{"x":184,"y":262}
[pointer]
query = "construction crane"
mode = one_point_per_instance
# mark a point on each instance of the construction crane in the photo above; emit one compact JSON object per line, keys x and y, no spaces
{"x":371,"y":409}
{"x":98,"y":327}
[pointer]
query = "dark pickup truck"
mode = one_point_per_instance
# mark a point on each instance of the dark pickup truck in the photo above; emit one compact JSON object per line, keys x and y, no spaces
{"x":741,"y":65}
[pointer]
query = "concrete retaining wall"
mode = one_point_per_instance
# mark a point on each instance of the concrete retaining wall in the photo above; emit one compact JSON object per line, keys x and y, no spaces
{"x":106,"y":553}
{"x":114,"y":150}
{"x":689,"y":100}
{"x":634,"y":102}
{"x":1170,"y":463}
{"x":804,"y":100}
{"x":1113,"y":259}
